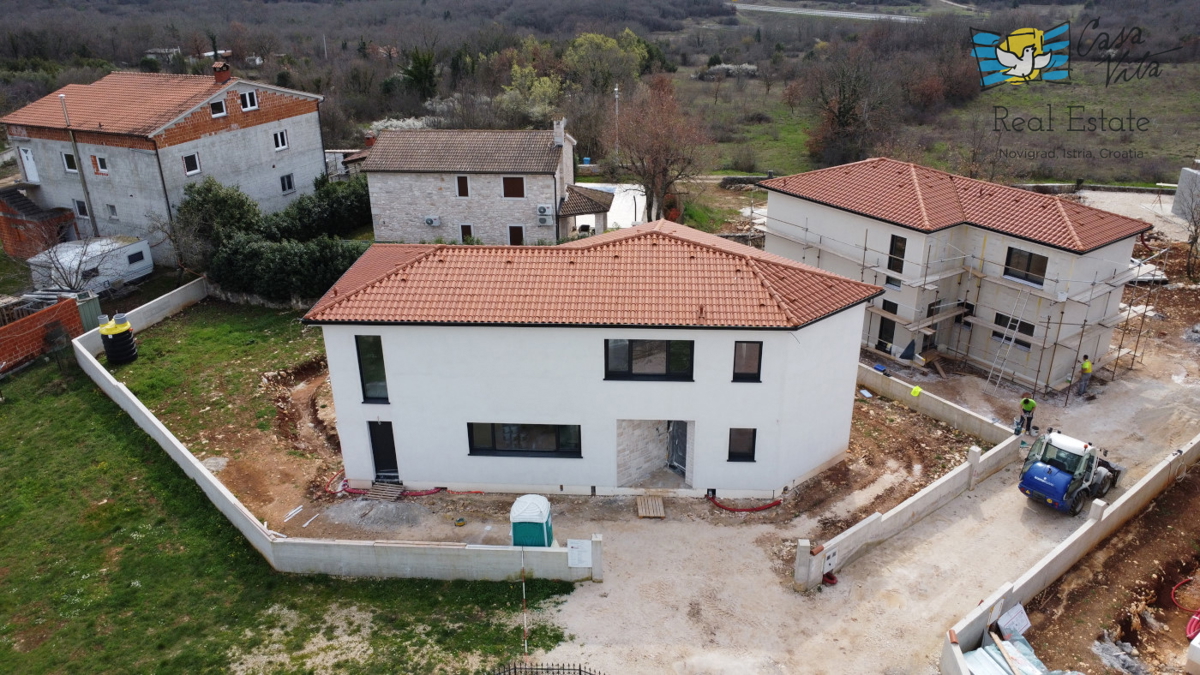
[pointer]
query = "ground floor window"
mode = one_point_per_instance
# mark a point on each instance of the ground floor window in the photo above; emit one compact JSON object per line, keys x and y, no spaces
{"x":1011,"y":323}
{"x":524,"y":440}
{"x":741,"y":445}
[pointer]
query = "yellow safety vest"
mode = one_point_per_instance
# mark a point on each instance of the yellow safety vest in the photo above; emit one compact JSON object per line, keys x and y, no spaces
{"x":1086,"y":367}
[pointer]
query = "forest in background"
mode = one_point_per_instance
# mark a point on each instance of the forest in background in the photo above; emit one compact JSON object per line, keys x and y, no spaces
{"x":820,"y":91}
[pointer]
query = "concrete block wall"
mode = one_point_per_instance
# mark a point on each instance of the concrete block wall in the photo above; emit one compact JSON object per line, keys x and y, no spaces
{"x":25,"y":338}
{"x":1103,"y":520}
{"x":641,"y":448}
{"x":393,"y":559}
{"x":938,"y":408}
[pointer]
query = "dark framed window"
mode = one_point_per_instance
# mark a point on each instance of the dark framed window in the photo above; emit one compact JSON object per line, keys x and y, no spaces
{"x":514,"y":187}
{"x":1026,"y":266}
{"x":370,"y":368}
{"x":524,"y":440}
{"x":648,"y":360}
{"x":896,"y":254}
{"x":747,"y":362}
{"x":516,"y":235}
{"x":890,"y":307}
{"x":91,"y":273}
{"x":1010,"y":323}
{"x":136,"y":257}
{"x":891,"y":282}
{"x":741,"y":445}
{"x":287,"y":184}
{"x":465,"y":232}
{"x":464,"y":187}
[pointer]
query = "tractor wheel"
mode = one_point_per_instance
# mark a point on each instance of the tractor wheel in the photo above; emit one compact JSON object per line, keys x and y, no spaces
{"x":1105,"y":486}
{"x":1077,"y":502}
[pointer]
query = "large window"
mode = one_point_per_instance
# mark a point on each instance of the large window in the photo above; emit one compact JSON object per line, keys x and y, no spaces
{"x":1026,"y":266}
{"x":648,"y":360}
{"x":514,"y":187}
{"x":524,"y":440}
{"x":896,"y":254}
{"x":741,"y":445}
{"x":1010,"y":323}
{"x":747,"y":361}
{"x":370,"y":368}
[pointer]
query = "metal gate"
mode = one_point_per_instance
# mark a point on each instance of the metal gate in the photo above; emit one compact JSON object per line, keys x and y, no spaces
{"x":677,"y":447}
{"x":523,"y":669}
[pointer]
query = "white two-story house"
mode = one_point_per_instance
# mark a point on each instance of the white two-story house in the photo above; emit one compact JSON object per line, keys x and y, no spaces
{"x":120,"y":151}
{"x":467,"y":185}
{"x":1019,"y":283}
{"x":653,"y":357}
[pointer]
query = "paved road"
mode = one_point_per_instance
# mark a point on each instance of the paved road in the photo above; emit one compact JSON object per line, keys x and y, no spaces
{"x":865,"y":16}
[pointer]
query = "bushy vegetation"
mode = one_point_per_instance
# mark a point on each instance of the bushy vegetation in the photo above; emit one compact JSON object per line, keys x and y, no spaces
{"x":295,"y":253}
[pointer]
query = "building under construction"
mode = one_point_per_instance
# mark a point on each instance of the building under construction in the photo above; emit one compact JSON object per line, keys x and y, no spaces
{"x":1021,"y":284}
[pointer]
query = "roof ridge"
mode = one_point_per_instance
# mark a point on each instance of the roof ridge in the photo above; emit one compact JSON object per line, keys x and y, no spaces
{"x":770,"y":288}
{"x":1058,"y":204}
{"x":342,"y":296}
{"x":912,"y":170}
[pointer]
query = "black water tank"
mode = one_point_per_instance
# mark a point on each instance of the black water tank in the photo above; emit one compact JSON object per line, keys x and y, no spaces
{"x":119,"y":345}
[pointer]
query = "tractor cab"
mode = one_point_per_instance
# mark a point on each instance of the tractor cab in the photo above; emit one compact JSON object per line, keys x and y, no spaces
{"x":1064,"y":472}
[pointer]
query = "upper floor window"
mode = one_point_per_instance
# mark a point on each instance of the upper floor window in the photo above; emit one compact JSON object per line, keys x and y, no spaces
{"x":524,"y":440}
{"x":101,"y":165}
{"x":81,"y":208}
{"x":514,"y":187}
{"x":217,"y":108}
{"x":747,"y":362}
{"x":280,"y":138}
{"x":249,"y":100}
{"x":648,"y":360}
{"x":1010,"y":323}
{"x":464,"y":187}
{"x":69,"y":163}
{"x":370,"y":368}
{"x":287,"y":183}
{"x":892,"y":283}
{"x":896,"y":254}
{"x":1026,"y":266}
{"x":191,"y":164}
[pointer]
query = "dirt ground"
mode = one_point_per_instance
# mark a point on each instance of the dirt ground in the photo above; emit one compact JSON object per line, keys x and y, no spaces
{"x":1124,"y":587}
{"x":1154,"y":209}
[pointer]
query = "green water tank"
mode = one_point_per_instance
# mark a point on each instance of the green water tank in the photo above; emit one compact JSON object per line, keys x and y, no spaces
{"x":530,"y":520}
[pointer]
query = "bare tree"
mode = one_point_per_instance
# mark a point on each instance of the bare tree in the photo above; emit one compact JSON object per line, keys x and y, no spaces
{"x":768,"y":75}
{"x":660,"y":144}
{"x":1188,"y":204}
{"x":185,"y":235}
{"x":793,"y":95}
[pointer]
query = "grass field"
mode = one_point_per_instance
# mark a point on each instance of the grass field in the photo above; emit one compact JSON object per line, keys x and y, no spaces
{"x":113,"y":561}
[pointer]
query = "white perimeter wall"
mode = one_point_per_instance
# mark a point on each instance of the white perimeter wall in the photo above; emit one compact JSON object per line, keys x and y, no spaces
{"x":442,"y":377}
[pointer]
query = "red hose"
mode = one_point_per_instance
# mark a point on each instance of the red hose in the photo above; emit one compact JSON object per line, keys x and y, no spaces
{"x":1193,"y":626}
{"x":764,"y":507}
{"x":421,"y":493}
{"x":1186,"y":609}
{"x":342,"y":486}
{"x":466,"y":492}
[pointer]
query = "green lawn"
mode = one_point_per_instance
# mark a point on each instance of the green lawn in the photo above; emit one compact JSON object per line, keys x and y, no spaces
{"x":112,"y":560}
{"x":14,"y":277}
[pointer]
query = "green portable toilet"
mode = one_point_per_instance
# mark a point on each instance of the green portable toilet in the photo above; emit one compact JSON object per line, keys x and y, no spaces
{"x":530,"y":518}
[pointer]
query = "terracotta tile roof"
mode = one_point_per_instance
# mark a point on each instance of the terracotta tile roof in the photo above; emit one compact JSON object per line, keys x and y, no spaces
{"x":582,"y":201}
{"x":120,"y":103}
{"x":927,"y":199}
{"x":464,"y":151}
{"x":657,"y":274}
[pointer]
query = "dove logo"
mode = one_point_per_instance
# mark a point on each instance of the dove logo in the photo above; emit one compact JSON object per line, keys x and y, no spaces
{"x":1024,"y":55}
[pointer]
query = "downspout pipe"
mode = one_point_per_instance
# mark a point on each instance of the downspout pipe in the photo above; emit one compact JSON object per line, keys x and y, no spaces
{"x":87,"y":196}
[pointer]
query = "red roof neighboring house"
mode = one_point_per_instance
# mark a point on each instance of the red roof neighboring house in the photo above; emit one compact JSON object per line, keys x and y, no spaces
{"x":928,"y":200}
{"x":656,"y":274}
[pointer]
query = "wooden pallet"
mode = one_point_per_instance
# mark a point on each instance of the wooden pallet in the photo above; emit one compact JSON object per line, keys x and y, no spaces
{"x":385,"y":492}
{"x":650,"y":507}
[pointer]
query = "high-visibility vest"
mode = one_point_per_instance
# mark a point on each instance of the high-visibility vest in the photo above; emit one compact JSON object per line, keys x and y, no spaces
{"x":1086,"y":367}
{"x":1028,"y":404}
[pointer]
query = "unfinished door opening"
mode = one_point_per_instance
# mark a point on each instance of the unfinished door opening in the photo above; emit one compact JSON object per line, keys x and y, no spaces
{"x":383,"y":452}
{"x":655,"y":453}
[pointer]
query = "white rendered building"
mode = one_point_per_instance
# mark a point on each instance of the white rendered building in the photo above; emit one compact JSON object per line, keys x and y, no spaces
{"x":653,"y":357}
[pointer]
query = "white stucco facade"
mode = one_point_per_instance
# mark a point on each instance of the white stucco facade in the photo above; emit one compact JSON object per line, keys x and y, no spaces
{"x":949,"y":268}
{"x":441,"y":378}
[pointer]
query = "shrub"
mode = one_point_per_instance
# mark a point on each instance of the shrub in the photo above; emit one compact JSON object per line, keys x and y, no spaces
{"x":281,"y":270}
{"x":744,"y":159}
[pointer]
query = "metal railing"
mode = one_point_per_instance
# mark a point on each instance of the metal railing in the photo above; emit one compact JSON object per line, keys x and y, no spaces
{"x":527,"y":669}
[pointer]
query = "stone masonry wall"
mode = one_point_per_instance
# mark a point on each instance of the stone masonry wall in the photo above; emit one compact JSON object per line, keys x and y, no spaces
{"x":641,"y":449}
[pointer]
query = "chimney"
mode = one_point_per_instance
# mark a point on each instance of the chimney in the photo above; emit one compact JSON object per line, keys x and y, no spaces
{"x":560,"y":132}
{"x":221,"y":72}
{"x":369,"y":139}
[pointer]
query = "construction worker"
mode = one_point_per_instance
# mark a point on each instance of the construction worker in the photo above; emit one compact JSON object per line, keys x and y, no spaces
{"x":1027,"y":407}
{"x":1085,"y":375}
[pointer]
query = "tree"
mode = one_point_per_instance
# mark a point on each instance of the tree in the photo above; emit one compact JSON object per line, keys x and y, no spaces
{"x":793,"y":95}
{"x":660,"y":144}
{"x":598,"y":63}
{"x":853,"y":101}
{"x":420,"y":75}
{"x":1187,"y":205}
{"x":217,"y":212}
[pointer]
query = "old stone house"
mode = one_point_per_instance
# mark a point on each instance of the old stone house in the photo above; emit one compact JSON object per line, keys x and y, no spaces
{"x":119,"y":152}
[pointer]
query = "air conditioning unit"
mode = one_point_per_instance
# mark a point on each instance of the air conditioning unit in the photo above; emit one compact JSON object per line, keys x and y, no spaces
{"x":545,"y":210}
{"x":433,"y":221}
{"x":545,"y":221}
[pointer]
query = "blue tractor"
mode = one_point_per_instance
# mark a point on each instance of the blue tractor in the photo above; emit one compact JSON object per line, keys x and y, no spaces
{"x":1066,"y":473}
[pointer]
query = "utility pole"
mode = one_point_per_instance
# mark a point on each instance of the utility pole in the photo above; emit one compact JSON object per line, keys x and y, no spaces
{"x":617,"y":117}
{"x":325,"y":46}
{"x":87,"y":196}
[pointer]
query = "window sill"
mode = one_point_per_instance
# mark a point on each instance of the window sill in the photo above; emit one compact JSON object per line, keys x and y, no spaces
{"x":191,"y":173}
{"x":1024,"y":282}
{"x":526,"y":453}
{"x":745,"y":461}
{"x":647,"y":378}
{"x":217,"y":117}
{"x":250,"y":109}
{"x":757,"y":380}
{"x":375,"y":401}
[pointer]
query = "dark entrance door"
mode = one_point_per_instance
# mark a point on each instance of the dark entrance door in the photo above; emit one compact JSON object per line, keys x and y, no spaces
{"x":383,"y":451}
{"x":887,"y":335}
{"x":677,"y":447}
